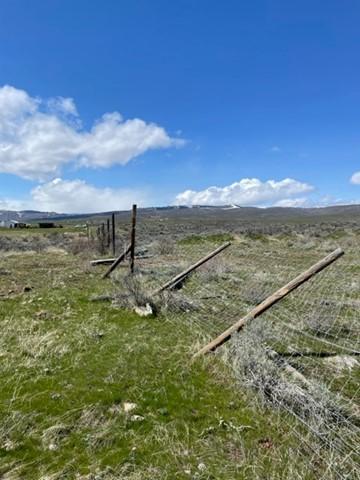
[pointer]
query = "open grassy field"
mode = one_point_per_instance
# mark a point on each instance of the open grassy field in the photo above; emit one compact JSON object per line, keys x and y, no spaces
{"x":91,"y":390}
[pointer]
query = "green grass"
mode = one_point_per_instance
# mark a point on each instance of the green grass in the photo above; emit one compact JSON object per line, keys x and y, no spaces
{"x":69,"y":364}
{"x":213,"y":238}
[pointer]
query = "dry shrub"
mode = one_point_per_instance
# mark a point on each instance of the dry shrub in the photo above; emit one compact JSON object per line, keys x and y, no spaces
{"x":323,"y":322}
{"x":173,"y":301}
{"x":79,"y":245}
{"x":133,"y":292}
{"x":165,"y":246}
{"x":256,"y":366}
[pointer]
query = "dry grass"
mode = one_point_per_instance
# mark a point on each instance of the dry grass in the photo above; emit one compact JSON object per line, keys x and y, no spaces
{"x":69,"y":365}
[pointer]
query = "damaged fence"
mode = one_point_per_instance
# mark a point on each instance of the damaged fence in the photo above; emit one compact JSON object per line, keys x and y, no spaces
{"x":300,"y":359}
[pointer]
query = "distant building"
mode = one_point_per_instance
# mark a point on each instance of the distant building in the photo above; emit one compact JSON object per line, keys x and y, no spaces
{"x":16,"y":224}
{"x":47,"y":225}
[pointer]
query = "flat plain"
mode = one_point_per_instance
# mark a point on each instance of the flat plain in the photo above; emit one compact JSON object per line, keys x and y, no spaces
{"x":92,"y":390}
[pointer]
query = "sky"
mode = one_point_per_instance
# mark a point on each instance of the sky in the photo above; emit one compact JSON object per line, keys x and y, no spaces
{"x":113,"y":102}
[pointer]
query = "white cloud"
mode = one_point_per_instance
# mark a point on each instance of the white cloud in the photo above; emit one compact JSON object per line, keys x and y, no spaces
{"x":77,"y":196}
{"x":10,"y":204}
{"x":355,"y":179}
{"x":38,"y":137}
{"x":248,"y":191}
{"x":63,"y":105}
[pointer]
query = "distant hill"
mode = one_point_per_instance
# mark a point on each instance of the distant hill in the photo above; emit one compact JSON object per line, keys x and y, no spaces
{"x":25,"y":215}
{"x":347,"y":212}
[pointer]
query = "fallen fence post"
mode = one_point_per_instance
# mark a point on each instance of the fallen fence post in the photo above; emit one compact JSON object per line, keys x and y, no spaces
{"x":133,"y":235}
{"x":119,"y":259}
{"x":271,"y":300}
{"x":174,"y":281}
{"x":103,"y":261}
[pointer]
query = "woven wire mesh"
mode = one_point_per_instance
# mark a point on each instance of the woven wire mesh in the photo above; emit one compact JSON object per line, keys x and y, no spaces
{"x":313,"y":333}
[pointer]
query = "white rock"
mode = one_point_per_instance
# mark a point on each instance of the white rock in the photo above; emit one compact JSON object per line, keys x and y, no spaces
{"x":144,"y":311}
{"x":129,"y":407}
{"x":137,"y":418}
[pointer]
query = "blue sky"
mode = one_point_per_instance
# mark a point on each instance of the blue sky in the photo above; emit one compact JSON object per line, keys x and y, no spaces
{"x":258,"y":99}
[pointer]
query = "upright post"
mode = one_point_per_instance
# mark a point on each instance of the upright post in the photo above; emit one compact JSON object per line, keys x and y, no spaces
{"x":133,"y":235}
{"x":113,"y":232}
{"x":108,"y":231}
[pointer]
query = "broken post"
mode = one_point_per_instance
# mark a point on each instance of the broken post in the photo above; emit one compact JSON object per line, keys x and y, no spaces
{"x":174,"y":281}
{"x":133,"y":235}
{"x":103,"y":261}
{"x":270,"y":301}
{"x":119,"y":259}
{"x":113,"y":232}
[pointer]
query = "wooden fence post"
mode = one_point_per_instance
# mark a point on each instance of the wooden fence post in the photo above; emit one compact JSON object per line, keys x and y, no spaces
{"x":117,"y":261}
{"x":181,"y":276}
{"x":113,"y":233}
{"x":270,"y":301}
{"x":108,"y":231}
{"x":133,"y":237}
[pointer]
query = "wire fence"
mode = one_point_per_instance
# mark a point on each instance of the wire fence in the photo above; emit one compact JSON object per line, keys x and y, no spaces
{"x":301,"y":357}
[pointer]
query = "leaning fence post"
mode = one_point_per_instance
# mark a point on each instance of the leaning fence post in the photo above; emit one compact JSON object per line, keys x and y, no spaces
{"x":117,"y":261}
{"x":181,"y":276}
{"x":133,"y":235}
{"x":270,"y":301}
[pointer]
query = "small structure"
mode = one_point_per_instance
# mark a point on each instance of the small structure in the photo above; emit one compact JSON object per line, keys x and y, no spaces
{"x":47,"y":225}
{"x":16,"y":224}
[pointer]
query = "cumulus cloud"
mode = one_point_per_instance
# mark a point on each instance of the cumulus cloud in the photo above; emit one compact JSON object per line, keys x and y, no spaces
{"x":248,"y":191}
{"x":355,"y":179}
{"x":77,"y":196}
{"x":38,"y":137}
{"x":10,"y":204}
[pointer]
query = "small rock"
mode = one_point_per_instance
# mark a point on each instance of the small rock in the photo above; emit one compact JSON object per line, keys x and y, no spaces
{"x":129,"y":407}
{"x":144,"y":311}
{"x":137,"y":418}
